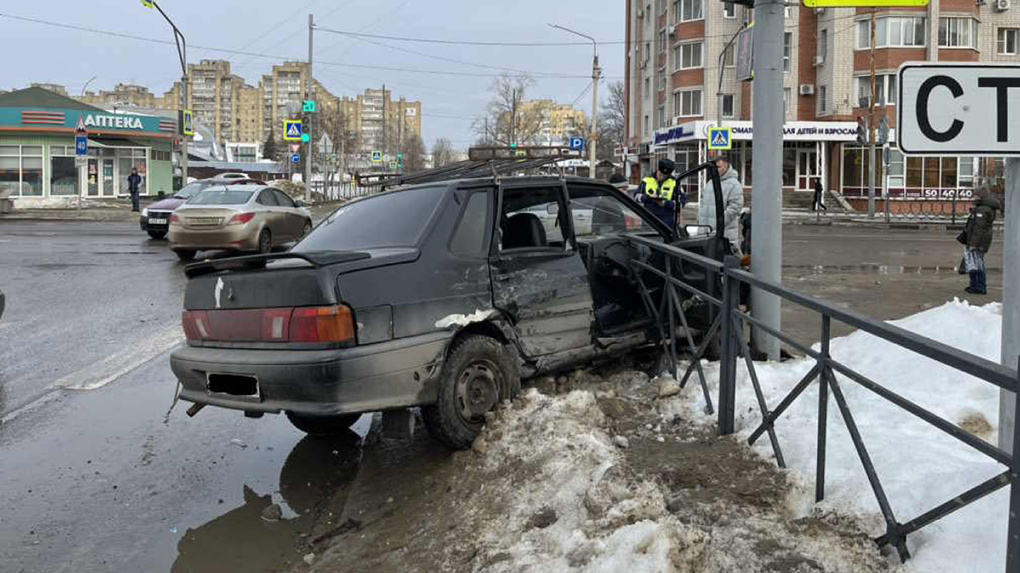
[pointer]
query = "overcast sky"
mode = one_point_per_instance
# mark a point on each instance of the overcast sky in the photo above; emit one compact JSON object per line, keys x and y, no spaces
{"x":41,"y":53}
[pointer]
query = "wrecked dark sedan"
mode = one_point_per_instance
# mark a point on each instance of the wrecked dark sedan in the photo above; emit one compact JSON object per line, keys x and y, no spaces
{"x":441,"y":296}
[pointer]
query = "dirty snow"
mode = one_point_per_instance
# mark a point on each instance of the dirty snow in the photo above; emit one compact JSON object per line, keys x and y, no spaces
{"x":919,"y":466}
{"x":460,"y":320}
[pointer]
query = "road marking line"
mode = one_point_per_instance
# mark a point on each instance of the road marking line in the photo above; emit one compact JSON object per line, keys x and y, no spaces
{"x":114,"y":366}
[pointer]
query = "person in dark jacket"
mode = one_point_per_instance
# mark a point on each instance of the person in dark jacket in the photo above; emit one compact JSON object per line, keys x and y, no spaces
{"x":660,"y":194}
{"x":133,"y":181}
{"x":817,"y":203}
{"x":979,"y":229}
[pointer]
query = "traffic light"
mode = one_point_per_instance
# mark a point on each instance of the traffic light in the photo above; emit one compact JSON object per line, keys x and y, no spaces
{"x":862,"y":131}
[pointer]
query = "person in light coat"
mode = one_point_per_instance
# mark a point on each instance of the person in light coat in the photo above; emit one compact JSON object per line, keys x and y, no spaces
{"x":733,"y":202}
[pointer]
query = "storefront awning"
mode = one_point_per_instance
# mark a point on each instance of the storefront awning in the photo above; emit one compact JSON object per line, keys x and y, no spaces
{"x":837,"y":131}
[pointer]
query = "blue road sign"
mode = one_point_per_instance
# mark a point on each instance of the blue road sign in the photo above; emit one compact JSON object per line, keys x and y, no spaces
{"x":292,"y":130}
{"x":81,"y":145}
{"x":296,"y":158}
{"x":720,"y":138}
{"x":577,"y":143}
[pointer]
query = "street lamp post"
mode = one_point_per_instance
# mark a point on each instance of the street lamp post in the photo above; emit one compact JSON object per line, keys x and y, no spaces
{"x":595,"y":73}
{"x":182,"y":54}
{"x":83,"y":173}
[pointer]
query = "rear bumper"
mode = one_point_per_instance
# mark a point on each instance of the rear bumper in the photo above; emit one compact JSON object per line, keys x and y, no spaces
{"x":239,"y":237}
{"x":389,"y":375}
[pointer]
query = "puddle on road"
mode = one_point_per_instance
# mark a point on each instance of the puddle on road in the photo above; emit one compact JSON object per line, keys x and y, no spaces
{"x":317,"y":472}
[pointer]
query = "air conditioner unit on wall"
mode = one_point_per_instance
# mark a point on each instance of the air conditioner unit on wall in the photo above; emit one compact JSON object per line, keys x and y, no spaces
{"x":1002,"y":5}
{"x":807,"y":89}
{"x":818,"y":60}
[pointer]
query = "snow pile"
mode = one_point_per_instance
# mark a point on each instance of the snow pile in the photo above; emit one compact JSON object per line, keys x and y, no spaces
{"x":919,"y":466}
{"x":572,"y":500}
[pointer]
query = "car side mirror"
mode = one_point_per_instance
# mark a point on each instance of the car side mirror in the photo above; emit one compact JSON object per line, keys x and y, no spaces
{"x":299,"y":203}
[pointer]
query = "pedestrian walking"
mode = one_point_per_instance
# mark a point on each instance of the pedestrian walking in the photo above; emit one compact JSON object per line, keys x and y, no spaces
{"x":133,"y":181}
{"x":817,"y":203}
{"x":733,"y":203}
{"x":977,"y":238}
{"x":660,"y":195}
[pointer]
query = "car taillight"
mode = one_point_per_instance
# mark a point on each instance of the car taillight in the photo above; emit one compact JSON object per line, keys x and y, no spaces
{"x":632,"y":222}
{"x":322,"y":324}
{"x":174,"y":219}
{"x":327,"y":324}
{"x":241,"y":218}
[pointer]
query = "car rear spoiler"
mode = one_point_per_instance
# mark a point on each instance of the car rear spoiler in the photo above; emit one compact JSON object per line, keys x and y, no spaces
{"x":315,"y":258}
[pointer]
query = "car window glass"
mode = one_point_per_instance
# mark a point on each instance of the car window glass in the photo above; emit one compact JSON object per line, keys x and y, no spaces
{"x":531,"y":219}
{"x":282,"y":199}
{"x":394,"y":219}
{"x":192,"y":189}
{"x":221,"y":197}
{"x":599,"y":212}
{"x":267,"y":198}
{"x":469,"y":238}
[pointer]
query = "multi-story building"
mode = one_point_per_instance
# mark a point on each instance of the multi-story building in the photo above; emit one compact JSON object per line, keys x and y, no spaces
{"x":122,"y":95}
{"x":55,"y":88}
{"x":681,"y":80}
{"x":369,"y":112}
{"x":218,"y":99}
{"x":558,"y":123}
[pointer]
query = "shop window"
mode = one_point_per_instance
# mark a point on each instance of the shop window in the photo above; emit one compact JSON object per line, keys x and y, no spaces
{"x":896,"y":166}
{"x":931,"y":172}
{"x":21,"y":170}
{"x":852,"y":166}
{"x":966,"y":172}
{"x":914,"y":171}
{"x":63,"y":171}
{"x":949,"y":170}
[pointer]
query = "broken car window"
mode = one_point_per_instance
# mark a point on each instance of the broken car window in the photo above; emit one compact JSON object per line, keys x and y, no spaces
{"x":600,"y":213}
{"x":531,"y":219}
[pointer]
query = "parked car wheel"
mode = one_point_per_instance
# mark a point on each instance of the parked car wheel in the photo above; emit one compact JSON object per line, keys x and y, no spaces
{"x":323,"y":425}
{"x":185,"y":255}
{"x":477,"y":376}
{"x":157,"y":234}
{"x":265,"y":242}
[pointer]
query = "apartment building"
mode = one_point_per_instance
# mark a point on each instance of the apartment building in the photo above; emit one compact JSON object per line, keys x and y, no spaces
{"x":366,"y":113}
{"x":682,"y":80}
{"x":559,"y":122}
{"x":122,"y":95}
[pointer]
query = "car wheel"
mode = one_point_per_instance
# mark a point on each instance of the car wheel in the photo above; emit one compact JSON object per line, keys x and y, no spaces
{"x":478,"y":374}
{"x":157,"y":234}
{"x":265,"y":242}
{"x":185,"y":255}
{"x":323,"y":425}
{"x":307,"y":228}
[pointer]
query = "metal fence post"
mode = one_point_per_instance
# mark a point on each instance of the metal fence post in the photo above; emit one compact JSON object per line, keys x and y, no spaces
{"x":823,"y":410}
{"x":1013,"y":535}
{"x":728,"y":350}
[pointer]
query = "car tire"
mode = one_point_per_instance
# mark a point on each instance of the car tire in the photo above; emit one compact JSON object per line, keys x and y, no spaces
{"x":185,"y":256}
{"x":479,"y":373}
{"x":323,"y":425}
{"x":157,"y":234}
{"x":265,"y":245}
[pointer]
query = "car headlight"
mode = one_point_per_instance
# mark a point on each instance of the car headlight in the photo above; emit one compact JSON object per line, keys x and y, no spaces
{"x":145,"y":212}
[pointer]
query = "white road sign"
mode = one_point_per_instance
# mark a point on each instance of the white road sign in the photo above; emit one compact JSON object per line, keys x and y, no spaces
{"x":959,"y":109}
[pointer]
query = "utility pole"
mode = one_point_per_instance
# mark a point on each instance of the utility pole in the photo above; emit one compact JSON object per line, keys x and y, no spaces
{"x":384,"y":124}
{"x":1010,"y":299}
{"x":308,"y":96}
{"x":871,"y":126}
{"x":595,"y":73}
{"x":767,"y":156}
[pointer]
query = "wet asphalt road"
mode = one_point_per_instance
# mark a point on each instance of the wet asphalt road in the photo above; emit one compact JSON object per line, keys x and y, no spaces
{"x":94,"y":480}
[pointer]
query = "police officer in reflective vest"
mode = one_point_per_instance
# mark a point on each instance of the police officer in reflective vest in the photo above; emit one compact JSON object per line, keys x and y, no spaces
{"x":660,"y":195}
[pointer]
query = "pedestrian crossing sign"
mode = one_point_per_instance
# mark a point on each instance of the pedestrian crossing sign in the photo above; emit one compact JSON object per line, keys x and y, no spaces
{"x":720,"y":138}
{"x":292,"y":130}
{"x":377,"y":157}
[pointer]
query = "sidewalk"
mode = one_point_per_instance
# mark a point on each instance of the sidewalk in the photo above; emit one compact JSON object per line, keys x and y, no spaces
{"x":114,"y":213}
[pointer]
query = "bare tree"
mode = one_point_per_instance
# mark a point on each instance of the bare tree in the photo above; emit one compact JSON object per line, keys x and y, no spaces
{"x":612,"y":119}
{"x":414,"y":154}
{"x":509,"y":118}
{"x":442,"y":152}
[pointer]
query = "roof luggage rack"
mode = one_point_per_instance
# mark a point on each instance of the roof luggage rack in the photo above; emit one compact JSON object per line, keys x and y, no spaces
{"x":483,"y":161}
